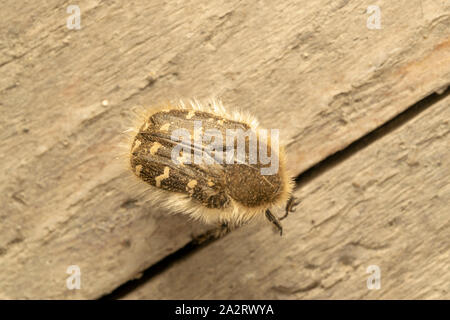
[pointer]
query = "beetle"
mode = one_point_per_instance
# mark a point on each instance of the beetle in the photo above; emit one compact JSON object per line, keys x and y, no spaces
{"x":211,"y":163}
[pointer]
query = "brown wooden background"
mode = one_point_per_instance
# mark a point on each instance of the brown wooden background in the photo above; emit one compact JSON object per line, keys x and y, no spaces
{"x":310,"y":68}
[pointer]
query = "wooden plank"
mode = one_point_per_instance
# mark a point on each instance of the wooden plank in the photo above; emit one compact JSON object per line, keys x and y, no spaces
{"x":314,"y":70}
{"x":387,"y":205}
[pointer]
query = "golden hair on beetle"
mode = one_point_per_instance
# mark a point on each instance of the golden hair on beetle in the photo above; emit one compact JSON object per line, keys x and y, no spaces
{"x":214,"y":192}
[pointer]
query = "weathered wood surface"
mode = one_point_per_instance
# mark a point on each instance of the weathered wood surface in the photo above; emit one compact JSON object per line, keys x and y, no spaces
{"x":312,"y":69}
{"x":387,"y":205}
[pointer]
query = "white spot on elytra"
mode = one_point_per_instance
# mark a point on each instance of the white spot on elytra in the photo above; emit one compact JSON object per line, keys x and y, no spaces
{"x":155,"y":147}
{"x":137,"y":143}
{"x":160,"y":178}
{"x":165,"y":127}
{"x":190,"y":114}
{"x":191,"y":184}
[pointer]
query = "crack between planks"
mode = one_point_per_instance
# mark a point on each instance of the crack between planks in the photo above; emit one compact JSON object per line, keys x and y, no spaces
{"x":156,"y":269}
{"x":386,"y":128}
{"x":308,"y":175}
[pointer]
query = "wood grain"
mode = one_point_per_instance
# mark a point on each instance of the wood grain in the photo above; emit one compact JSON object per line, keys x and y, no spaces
{"x":314,"y":70}
{"x":387,"y":205}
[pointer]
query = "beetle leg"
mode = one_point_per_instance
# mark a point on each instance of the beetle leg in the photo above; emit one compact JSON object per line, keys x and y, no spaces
{"x":290,"y":206}
{"x":274,"y":220}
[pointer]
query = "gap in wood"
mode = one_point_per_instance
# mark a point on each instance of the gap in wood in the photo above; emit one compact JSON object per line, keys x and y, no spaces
{"x":315,"y":171}
{"x":154,"y":270}
{"x":386,"y":128}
